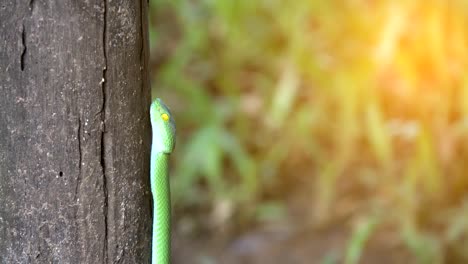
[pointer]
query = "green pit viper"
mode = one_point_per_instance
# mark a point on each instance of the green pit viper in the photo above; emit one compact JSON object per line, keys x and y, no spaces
{"x":163,"y":143}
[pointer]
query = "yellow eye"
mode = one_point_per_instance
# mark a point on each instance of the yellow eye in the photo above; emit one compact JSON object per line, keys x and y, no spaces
{"x":165,"y":117}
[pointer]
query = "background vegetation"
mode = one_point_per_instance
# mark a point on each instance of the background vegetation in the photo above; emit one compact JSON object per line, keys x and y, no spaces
{"x":319,"y":113}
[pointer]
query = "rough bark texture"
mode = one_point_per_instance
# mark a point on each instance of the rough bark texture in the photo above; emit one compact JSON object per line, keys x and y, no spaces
{"x":74,"y":132}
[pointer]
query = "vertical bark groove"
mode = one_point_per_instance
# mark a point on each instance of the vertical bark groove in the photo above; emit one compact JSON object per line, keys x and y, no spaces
{"x":23,"y":42}
{"x":31,"y":5}
{"x":103,"y":134}
{"x":80,"y":160}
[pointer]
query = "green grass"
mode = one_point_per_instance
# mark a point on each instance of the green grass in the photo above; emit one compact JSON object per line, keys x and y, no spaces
{"x":370,"y":94}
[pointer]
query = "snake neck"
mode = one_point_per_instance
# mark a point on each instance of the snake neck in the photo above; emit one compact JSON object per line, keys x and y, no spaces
{"x":159,"y":170}
{"x":161,"y":208}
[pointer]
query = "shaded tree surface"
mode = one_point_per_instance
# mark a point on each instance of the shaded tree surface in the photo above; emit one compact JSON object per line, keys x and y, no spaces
{"x":74,"y":132}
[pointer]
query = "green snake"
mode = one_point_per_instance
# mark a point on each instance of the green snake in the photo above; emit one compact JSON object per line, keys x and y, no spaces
{"x":163,"y":126}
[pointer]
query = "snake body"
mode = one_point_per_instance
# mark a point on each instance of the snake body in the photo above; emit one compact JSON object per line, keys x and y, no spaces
{"x":163,"y":143}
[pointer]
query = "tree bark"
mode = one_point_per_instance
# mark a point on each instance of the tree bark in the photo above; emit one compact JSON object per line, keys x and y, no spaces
{"x":74,"y":132}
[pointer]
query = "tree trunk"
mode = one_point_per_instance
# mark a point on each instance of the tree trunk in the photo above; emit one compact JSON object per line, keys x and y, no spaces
{"x":74,"y":132}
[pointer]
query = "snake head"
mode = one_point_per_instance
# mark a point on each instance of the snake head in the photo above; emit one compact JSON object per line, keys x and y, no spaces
{"x":163,"y":125}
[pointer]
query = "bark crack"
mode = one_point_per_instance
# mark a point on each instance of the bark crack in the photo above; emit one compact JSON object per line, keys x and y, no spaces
{"x":31,"y":5}
{"x":142,"y":33}
{"x":23,"y":43}
{"x":103,"y":136}
{"x":80,"y":158}
{"x":143,"y":43}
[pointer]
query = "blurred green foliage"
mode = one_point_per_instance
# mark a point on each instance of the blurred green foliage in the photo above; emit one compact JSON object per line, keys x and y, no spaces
{"x":365,"y":100}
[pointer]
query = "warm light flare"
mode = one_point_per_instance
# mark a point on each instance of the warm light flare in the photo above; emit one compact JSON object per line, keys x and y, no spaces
{"x":422,"y":46}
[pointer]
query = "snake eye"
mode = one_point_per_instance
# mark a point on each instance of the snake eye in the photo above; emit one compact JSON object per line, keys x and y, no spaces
{"x":165,"y":117}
